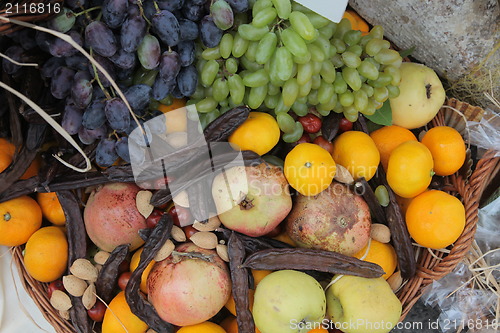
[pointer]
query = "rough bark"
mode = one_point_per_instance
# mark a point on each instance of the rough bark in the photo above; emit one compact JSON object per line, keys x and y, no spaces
{"x":450,"y":36}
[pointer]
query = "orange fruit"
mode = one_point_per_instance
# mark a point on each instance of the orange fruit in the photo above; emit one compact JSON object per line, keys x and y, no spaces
{"x":7,"y":151}
{"x":258,"y":275}
{"x":447,"y":148}
{"x":285,"y":239}
{"x":309,"y":168}
{"x":119,"y":315}
{"x":231,"y":306}
{"x":205,"y":327}
{"x":259,"y":133}
{"x":381,"y":254}
{"x":357,"y":152}
{"x":409,"y":172}
{"x":357,"y":23}
{"x":231,"y":325}
{"x":176,"y":104}
{"x":318,"y":330}
{"x":46,"y":254}
{"x":51,"y":208}
{"x":435,"y":219}
{"x":389,"y":137}
{"x":134,"y":262}
{"x":19,"y":219}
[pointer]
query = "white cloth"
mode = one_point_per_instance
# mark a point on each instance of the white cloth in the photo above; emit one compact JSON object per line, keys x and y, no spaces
{"x":12,"y":317}
{"x":332,"y":10}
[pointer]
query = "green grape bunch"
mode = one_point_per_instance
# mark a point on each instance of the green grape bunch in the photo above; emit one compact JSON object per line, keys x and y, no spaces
{"x":284,"y":59}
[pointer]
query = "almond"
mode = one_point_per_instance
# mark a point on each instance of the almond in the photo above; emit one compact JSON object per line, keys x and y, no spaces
{"x":342,"y":175}
{"x":60,"y":301}
{"x":177,"y":139}
{"x":64,"y":314}
{"x":178,"y":234}
{"x":212,"y":224}
{"x":181,"y":199}
{"x":205,"y":240}
{"x":395,"y":281}
{"x":83,"y":269}
{"x":222,"y":252}
{"x":74,"y":285}
{"x":142,"y":202}
{"x":165,"y":251}
{"x":101,"y":257}
{"x":380,"y":232}
{"x":88,"y":297}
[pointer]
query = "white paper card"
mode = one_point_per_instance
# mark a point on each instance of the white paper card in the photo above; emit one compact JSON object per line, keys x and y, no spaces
{"x":331,"y":9}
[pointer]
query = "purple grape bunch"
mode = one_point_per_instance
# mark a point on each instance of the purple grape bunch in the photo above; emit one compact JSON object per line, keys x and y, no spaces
{"x":148,"y":47}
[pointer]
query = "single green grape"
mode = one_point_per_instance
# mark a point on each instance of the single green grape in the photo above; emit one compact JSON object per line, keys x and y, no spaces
{"x":257,"y":95}
{"x":347,"y":98}
{"x":360,"y":100}
{"x":211,"y":53}
{"x":352,"y":78}
{"x":240,"y":46}
{"x":382,"y":195}
{"x":305,"y":89}
{"x":264,"y":17}
{"x":352,"y":37}
{"x":271,"y":101}
{"x":286,"y":122}
{"x":351,"y":60}
{"x":295,"y":135}
{"x":290,"y":92}
{"x":231,"y":65}
{"x":206,"y":105}
{"x":328,"y":72}
{"x":300,"y":108}
{"x":221,"y":89}
{"x":226,"y":45}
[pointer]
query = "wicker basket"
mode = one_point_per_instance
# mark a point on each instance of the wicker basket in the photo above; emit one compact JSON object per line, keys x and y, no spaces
{"x":431,"y":267}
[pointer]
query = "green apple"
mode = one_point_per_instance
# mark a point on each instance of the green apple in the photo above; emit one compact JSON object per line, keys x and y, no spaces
{"x":288,"y":301}
{"x":362,"y":305}
{"x":252,"y":200}
{"x":420,"y":98}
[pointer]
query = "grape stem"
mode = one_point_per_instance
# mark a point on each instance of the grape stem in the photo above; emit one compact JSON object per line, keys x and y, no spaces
{"x":156,"y":7}
{"x":96,"y":77}
{"x":86,"y":11}
{"x":141,"y":10}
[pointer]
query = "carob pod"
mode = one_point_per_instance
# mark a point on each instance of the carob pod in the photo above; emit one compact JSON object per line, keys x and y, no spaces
{"x":108,"y":275}
{"x":399,"y":232}
{"x":135,"y":299}
{"x":22,"y":158}
{"x":77,"y":248}
{"x":254,"y":244}
{"x":330,"y":125}
{"x":361,"y":187}
{"x":223,"y":126}
{"x":311,"y":259}
{"x":360,"y":124}
{"x":239,"y":278}
{"x":201,"y":171}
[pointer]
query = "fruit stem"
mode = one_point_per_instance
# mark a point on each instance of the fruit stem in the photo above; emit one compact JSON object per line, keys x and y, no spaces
{"x":7,"y":216}
{"x":428,"y":90}
{"x":86,"y":11}
{"x":246,"y":204}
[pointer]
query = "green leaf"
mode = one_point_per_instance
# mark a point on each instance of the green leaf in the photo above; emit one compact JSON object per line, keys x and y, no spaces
{"x":382,"y":116}
{"x":407,"y":52}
